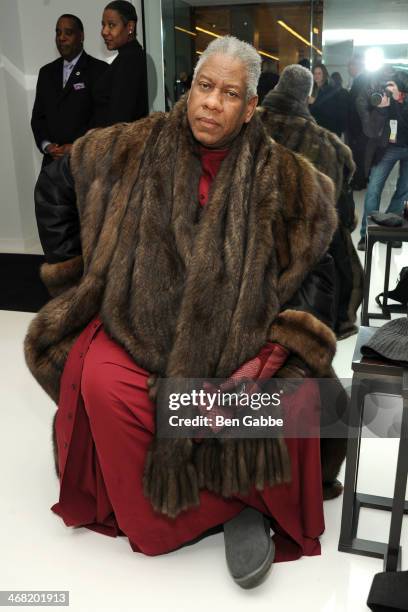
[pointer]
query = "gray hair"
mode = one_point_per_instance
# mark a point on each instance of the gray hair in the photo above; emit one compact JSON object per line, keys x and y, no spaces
{"x":238,"y":49}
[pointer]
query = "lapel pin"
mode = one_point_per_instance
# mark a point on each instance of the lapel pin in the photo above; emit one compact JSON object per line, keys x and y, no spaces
{"x":77,"y":73}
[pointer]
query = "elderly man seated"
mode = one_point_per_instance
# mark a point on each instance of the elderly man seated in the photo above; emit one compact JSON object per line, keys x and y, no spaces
{"x":175,"y":246}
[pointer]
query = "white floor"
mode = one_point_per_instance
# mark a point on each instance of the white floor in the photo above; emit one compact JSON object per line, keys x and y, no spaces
{"x":40,"y":553}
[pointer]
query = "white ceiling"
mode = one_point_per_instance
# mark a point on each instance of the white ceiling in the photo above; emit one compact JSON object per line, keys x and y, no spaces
{"x":366,"y":14}
{"x":366,"y":22}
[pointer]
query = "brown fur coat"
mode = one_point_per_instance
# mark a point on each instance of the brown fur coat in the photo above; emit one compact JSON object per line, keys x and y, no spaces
{"x":189,"y":294}
{"x":291,"y":125}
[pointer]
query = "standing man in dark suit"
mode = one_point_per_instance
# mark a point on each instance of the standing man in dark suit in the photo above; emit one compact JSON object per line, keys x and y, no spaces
{"x":355,"y":137}
{"x":64,"y":101}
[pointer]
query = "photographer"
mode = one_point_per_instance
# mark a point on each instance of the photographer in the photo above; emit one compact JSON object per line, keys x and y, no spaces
{"x":384,"y":118}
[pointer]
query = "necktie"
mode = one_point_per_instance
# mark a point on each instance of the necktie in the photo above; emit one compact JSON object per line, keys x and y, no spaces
{"x":67,"y":73}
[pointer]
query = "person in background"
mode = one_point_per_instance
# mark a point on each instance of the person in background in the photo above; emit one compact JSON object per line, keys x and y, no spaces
{"x":182,"y":84}
{"x":65,"y":97}
{"x":336,"y":80}
{"x":267,"y":80}
{"x":323,"y":102}
{"x":305,"y":62}
{"x":386,"y":127}
{"x":289,"y":122}
{"x":122,"y":90}
{"x":342,"y":100}
{"x":286,"y":116}
{"x":354,"y":136}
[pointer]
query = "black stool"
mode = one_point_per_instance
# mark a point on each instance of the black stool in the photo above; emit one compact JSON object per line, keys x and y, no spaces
{"x":388,"y":234}
{"x":374,"y":376}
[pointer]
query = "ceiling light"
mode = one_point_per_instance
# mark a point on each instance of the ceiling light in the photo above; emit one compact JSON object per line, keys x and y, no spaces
{"x":264,"y":53}
{"x":297,"y":35}
{"x":366,"y":38}
{"x":185,"y":31}
{"x":208,"y":32}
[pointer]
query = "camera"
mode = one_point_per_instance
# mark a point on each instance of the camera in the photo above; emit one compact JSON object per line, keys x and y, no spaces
{"x":376,"y":95}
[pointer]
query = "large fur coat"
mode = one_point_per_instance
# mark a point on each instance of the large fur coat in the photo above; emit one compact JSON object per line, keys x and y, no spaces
{"x":290,"y":123}
{"x":153,"y":270}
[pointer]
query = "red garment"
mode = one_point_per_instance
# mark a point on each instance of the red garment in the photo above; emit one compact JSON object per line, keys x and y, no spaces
{"x":105,"y":424}
{"x":210,"y":163}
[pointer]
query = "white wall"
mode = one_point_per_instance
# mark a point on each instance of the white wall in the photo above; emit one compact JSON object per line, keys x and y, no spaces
{"x":26,"y":43}
{"x":365,"y":14}
{"x":154,"y":53}
{"x":17,"y":223}
{"x":10,"y":223}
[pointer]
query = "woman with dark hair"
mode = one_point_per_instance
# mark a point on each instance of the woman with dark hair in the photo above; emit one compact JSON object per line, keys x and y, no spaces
{"x":324,"y":102}
{"x":122,"y":91}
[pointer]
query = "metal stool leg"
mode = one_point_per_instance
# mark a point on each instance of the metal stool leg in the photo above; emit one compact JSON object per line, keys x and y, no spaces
{"x":392,"y":561}
{"x":348,"y":518}
{"x":387,"y":274}
{"x":367,"y":280}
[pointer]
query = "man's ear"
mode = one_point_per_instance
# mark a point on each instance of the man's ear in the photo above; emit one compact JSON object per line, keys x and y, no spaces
{"x":250,"y":109}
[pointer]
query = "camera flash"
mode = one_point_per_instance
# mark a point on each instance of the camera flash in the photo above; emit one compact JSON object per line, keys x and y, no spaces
{"x":374,"y":59}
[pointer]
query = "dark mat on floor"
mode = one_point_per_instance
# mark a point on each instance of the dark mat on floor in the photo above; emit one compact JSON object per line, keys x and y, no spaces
{"x":20,"y":285}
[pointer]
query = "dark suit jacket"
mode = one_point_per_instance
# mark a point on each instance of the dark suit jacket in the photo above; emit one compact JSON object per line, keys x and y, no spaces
{"x":267,"y":81}
{"x":121,"y":93}
{"x":360,"y":85}
{"x":328,"y":111}
{"x":60,"y":114}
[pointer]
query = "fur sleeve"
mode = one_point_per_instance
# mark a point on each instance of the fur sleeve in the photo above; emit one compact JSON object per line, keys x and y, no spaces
{"x":61,"y":276}
{"x":306,"y":336}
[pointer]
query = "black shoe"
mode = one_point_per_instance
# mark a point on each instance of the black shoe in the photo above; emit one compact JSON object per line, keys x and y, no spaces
{"x":362,"y":244}
{"x":395,"y":244}
{"x":333,"y":489}
{"x":249,"y":549}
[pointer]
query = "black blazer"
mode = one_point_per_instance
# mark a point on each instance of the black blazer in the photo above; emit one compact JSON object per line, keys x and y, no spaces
{"x":327,"y":111}
{"x":60,"y":114}
{"x":121,"y":93}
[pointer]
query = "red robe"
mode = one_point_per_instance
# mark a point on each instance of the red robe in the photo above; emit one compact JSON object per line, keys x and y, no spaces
{"x":105,"y":424}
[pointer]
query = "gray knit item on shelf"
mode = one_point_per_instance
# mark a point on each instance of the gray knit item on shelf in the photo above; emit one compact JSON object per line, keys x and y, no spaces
{"x":387,"y":219}
{"x":389,"y":342}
